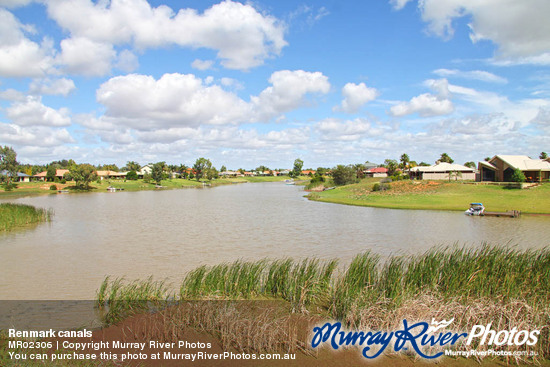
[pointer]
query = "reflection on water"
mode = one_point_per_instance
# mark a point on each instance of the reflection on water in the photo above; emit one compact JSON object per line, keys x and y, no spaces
{"x":166,"y":233}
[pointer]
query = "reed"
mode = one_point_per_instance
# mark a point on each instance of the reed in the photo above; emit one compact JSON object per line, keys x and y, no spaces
{"x":20,"y":215}
{"x":503,"y":285}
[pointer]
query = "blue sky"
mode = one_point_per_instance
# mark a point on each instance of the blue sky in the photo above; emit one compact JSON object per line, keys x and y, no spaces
{"x":264,"y":82}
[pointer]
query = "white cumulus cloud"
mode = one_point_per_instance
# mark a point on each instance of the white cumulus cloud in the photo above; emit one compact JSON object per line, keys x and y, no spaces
{"x":355,"y":96}
{"x":427,"y":104}
{"x":242,"y":36}
{"x":32,"y":112}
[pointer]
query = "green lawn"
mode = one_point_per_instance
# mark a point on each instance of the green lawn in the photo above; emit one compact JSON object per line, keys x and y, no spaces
{"x":447,"y":196}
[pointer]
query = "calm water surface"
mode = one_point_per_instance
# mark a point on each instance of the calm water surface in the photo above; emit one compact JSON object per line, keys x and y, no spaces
{"x":167,"y":233}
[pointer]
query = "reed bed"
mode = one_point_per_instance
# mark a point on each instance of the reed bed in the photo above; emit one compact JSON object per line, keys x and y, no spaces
{"x":501,"y":285}
{"x":20,"y":215}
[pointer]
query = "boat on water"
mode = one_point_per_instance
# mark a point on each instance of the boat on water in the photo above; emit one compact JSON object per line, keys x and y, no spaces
{"x":475,"y":209}
{"x":112,"y":189}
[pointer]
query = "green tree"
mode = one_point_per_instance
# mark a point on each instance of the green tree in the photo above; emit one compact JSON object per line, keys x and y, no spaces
{"x":223,"y":169}
{"x":297,"y":170}
{"x":445,"y":158}
{"x":543,"y":155}
{"x":8,"y":163}
{"x":50,"y":173}
{"x":321,"y":171}
{"x":201,"y":168}
{"x":212,"y":173}
{"x":487,"y":159}
{"x":470,"y":164}
{"x":83,"y":174}
{"x":344,"y":175}
{"x":132,"y":176}
{"x":404,"y":161}
{"x":518,"y":176}
{"x":391,"y":165}
{"x":157,"y":172}
{"x":133,"y":166}
{"x":455,"y":174}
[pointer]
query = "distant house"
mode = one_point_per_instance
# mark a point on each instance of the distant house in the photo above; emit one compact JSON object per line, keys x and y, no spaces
{"x":376,"y":172}
{"x":145,"y":170}
{"x":443,"y":171}
{"x":501,"y":167}
{"x":104,"y":175}
{"x":20,"y":177}
{"x":230,"y":173}
{"x":59,"y":173}
{"x":308,"y":172}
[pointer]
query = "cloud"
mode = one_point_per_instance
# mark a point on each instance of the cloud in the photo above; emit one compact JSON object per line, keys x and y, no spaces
{"x":202,"y":64}
{"x":19,"y":56}
{"x":350,"y":130}
{"x":427,"y":104}
{"x":481,"y":75}
{"x":355,"y":96}
{"x":519,"y":28}
{"x":127,"y":61}
{"x":14,"y":3}
{"x":34,"y":136}
{"x":61,"y":86}
{"x":242,"y":37}
{"x":288,"y":91}
{"x":32,"y":112}
{"x":86,"y":57}
{"x":399,"y":4}
{"x":175,"y":100}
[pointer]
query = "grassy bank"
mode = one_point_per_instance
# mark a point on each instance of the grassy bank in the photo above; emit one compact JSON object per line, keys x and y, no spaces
{"x":439,"y":195}
{"x":502,"y":286}
{"x":19,"y":215}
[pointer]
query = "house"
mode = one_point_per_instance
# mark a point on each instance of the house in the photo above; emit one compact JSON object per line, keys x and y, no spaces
{"x":59,"y":173}
{"x":443,"y":171}
{"x":110,"y":175}
{"x":308,"y":172}
{"x":20,"y":177}
{"x":501,"y":167}
{"x":376,"y":172}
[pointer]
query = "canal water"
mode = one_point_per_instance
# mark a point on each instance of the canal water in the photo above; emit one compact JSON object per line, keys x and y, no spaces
{"x":167,"y":233}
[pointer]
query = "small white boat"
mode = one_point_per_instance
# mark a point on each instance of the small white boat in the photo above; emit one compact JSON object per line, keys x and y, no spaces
{"x":475,"y":209}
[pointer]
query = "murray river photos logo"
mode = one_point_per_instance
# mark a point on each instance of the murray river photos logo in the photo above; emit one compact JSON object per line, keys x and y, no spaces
{"x":418,"y":336}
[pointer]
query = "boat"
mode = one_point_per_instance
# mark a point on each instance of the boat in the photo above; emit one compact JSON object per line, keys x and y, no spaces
{"x":112,"y":189}
{"x":475,"y":209}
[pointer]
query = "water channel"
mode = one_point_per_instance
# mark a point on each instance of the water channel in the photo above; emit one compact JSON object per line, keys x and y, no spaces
{"x":167,"y":233}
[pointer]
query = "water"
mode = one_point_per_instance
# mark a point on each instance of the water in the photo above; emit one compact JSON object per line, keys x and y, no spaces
{"x":167,"y":233}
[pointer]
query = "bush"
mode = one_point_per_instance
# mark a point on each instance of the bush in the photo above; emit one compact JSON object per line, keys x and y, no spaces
{"x":344,"y":175}
{"x":380,"y":186}
{"x":518,"y":176}
{"x":132,"y":175}
{"x":53,"y":187}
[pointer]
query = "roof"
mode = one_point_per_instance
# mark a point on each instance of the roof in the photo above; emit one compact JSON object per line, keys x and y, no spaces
{"x":524,"y":162}
{"x":443,"y":167}
{"x":58,"y":173}
{"x":110,"y":173}
{"x":7,"y":173}
{"x":378,"y":170}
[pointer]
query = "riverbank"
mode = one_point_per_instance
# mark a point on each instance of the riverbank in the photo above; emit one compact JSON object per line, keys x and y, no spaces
{"x":13,"y":216}
{"x":471,"y":287}
{"x":439,"y":195}
{"x":45,"y":188}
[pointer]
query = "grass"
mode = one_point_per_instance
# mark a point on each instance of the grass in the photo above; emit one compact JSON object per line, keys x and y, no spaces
{"x":20,"y":215}
{"x":440,"y":196}
{"x":499,"y":285}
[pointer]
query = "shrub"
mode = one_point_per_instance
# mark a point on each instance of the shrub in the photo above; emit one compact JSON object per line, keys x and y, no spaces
{"x":132,"y":175}
{"x":380,"y":186}
{"x":53,"y":187}
{"x":518,"y":176}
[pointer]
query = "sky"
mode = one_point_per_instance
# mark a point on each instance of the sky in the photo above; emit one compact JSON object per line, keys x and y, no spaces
{"x":265,"y":82}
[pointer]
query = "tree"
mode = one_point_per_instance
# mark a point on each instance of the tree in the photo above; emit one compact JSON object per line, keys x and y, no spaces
{"x":297,"y":170}
{"x":470,"y":164}
{"x":445,"y":158}
{"x":404,"y":161}
{"x":201,"y":167}
{"x":518,"y":176}
{"x":133,"y":166}
{"x":132,"y":176}
{"x":487,"y":159}
{"x":543,"y":155}
{"x":360,"y":170}
{"x":344,"y":175}
{"x":223,"y":169}
{"x":50,"y":173}
{"x":391,"y":165}
{"x":455,"y":174}
{"x":212,"y":173}
{"x":83,"y":174}
{"x":157,"y":172}
{"x":8,"y":163}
